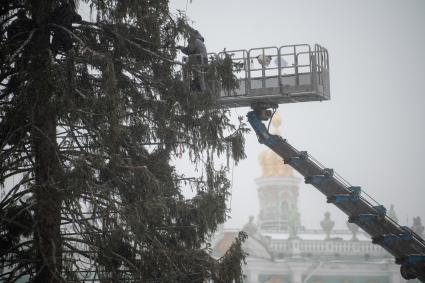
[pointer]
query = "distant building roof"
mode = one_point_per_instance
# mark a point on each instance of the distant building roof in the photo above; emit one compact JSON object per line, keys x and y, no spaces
{"x":253,"y":246}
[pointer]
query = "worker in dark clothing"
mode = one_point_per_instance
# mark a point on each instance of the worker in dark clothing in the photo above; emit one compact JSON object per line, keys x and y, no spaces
{"x":64,"y":15}
{"x":198,"y":56}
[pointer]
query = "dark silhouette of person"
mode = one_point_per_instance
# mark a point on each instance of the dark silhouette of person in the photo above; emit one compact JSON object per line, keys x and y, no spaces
{"x":64,"y":15}
{"x":198,"y":56}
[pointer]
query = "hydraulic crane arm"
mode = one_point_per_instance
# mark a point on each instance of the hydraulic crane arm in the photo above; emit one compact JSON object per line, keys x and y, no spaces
{"x":407,"y":247}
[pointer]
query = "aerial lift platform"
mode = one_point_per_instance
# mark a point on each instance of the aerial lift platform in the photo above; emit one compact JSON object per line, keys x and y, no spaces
{"x":276,"y":75}
{"x":270,"y":76}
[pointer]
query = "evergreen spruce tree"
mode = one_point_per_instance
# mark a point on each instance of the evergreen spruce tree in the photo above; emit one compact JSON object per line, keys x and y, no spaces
{"x":91,"y":115}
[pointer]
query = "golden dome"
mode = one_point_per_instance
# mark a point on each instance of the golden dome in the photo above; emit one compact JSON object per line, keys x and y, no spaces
{"x":276,"y":123}
{"x":271,"y":163}
{"x":277,"y":120}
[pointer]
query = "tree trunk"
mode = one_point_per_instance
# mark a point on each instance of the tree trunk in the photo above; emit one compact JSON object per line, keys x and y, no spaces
{"x":47,"y":237}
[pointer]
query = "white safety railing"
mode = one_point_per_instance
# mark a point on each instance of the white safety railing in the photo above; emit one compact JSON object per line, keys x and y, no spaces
{"x":279,"y":67}
{"x":289,"y":73}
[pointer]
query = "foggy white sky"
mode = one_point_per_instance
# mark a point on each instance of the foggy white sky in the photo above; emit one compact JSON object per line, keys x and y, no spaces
{"x":372,"y":131}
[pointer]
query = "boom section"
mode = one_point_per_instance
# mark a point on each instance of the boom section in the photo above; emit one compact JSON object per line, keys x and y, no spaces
{"x":407,"y":247}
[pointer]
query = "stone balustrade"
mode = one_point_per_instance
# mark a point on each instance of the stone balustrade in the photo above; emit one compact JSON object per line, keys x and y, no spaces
{"x":326,"y":248}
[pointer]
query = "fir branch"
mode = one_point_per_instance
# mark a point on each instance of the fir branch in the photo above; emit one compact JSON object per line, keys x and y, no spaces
{"x":25,"y":43}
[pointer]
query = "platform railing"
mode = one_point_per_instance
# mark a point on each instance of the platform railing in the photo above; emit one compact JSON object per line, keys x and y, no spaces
{"x":262,"y":65}
{"x":284,"y":74}
{"x":240,"y":68}
{"x":289,"y":55}
{"x":322,"y":67}
{"x":277,"y":67}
